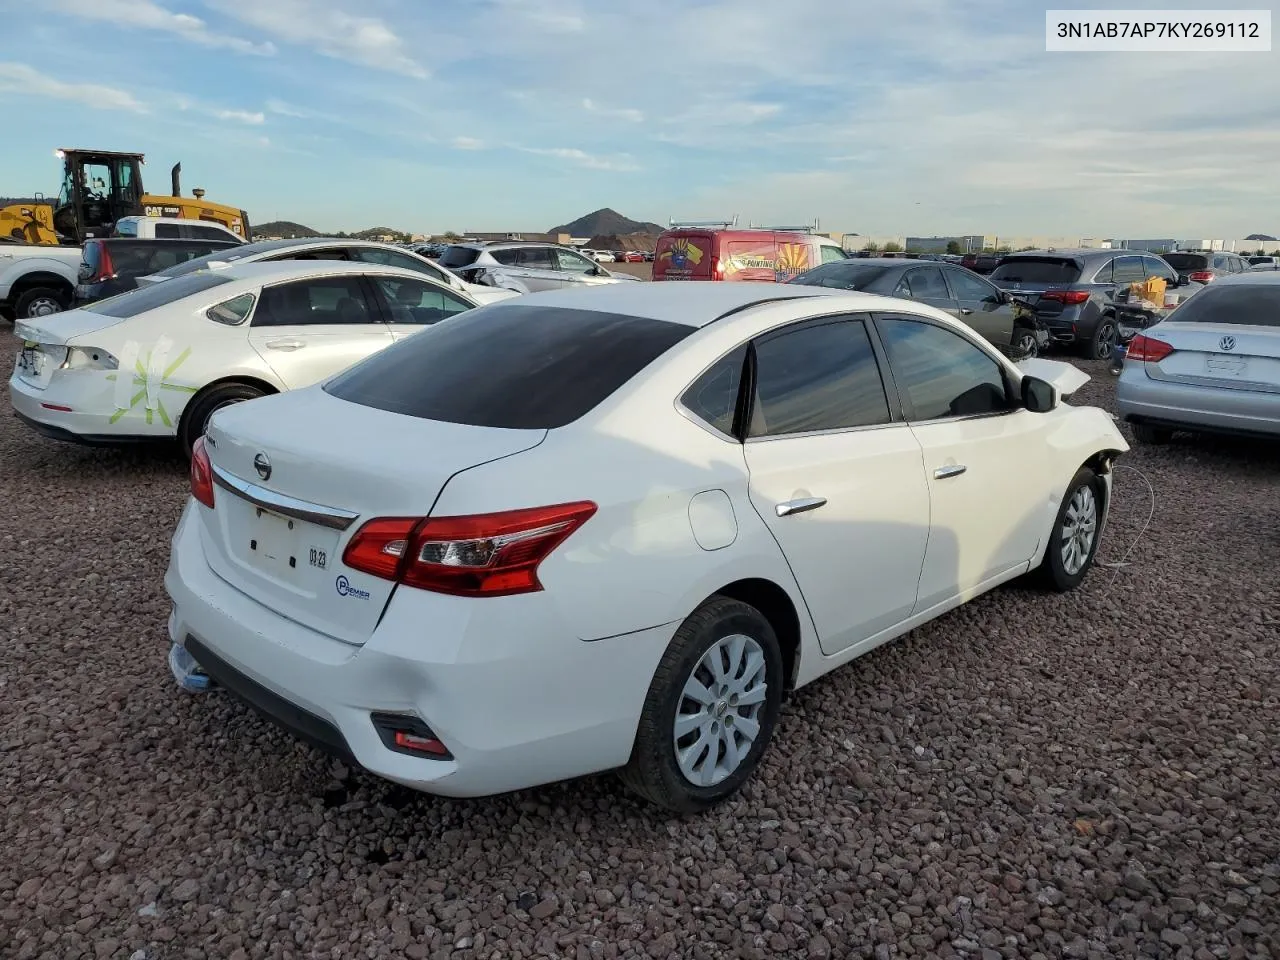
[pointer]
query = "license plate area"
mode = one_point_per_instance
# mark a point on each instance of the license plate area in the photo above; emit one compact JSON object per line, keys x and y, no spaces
{"x":1234,"y":367}
{"x":283,"y":549}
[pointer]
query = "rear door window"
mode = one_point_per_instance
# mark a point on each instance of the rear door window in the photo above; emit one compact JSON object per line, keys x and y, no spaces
{"x":1049,"y":270}
{"x":965,"y":286}
{"x":536,"y":258}
{"x":923,"y":283}
{"x":318,"y":301}
{"x":570,"y":262}
{"x":168,"y":231}
{"x":510,"y":366}
{"x":1128,"y":270}
{"x":208,"y":233}
{"x":1155,"y":267}
{"x":822,"y":377}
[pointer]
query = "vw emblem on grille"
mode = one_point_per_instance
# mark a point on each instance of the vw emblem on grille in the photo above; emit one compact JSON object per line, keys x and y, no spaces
{"x":1227,"y":343}
{"x":263,"y":466}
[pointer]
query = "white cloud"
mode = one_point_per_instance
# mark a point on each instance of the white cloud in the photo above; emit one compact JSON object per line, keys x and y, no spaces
{"x":535,"y":12}
{"x":622,"y":113}
{"x":619,"y":163}
{"x":22,"y":79}
{"x":242,"y":116}
{"x":468,"y":143}
{"x":147,"y":15}
{"x":367,"y":41}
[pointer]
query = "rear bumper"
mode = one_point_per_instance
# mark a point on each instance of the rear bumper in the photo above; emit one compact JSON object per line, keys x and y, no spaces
{"x":83,"y":423}
{"x":1179,"y":406}
{"x":515,"y":698}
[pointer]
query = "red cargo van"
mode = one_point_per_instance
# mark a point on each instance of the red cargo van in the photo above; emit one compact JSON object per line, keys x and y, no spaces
{"x":710,"y":253}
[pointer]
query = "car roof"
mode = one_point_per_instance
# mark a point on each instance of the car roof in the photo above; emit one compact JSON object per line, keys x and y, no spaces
{"x":692,"y":304}
{"x":270,"y":271}
{"x":1078,"y":253}
{"x":269,"y":246}
{"x":881,"y":262}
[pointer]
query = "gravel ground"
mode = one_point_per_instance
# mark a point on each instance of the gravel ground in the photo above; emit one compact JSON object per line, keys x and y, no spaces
{"x":1031,"y":776}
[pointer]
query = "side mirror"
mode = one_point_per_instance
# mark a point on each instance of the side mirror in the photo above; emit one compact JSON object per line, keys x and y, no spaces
{"x":1175,"y":282}
{"x":1038,"y":395}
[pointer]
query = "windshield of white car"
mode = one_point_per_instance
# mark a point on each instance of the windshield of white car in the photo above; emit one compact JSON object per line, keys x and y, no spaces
{"x":157,"y":295}
{"x":1255,"y":305}
{"x":509,"y":366}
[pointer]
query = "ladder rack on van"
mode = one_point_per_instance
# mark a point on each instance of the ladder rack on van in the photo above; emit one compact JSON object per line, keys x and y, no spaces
{"x":810,"y":229}
{"x":721,"y":224}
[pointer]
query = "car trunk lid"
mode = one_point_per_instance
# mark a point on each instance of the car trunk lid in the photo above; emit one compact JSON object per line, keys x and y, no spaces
{"x":297,"y":474}
{"x":1234,"y":357}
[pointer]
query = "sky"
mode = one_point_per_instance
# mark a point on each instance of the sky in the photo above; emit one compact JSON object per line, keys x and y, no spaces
{"x":916,"y":117}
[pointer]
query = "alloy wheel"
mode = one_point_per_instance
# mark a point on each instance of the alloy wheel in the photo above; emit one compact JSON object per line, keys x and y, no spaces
{"x":718,"y":717}
{"x":1079,"y":529}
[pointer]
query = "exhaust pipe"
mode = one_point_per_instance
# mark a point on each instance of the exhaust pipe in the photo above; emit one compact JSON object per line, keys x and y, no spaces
{"x":177,"y":182}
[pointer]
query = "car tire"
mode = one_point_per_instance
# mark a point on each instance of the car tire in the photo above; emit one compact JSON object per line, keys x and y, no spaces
{"x":195,"y":418}
{"x":1077,"y":530}
{"x":1024,"y":346}
{"x":1102,"y":345}
{"x":40,"y":302}
{"x":1155,"y":436}
{"x":722,"y":630}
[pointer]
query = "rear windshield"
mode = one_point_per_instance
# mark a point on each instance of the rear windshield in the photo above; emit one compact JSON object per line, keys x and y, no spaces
{"x":1257,"y":260}
{"x":510,"y":366}
{"x":1182,"y":262}
{"x":90,"y":257}
{"x":1256,"y":304}
{"x":157,"y":295}
{"x":842,"y":276}
{"x":459,"y":257}
{"x":235,"y":251}
{"x":1037,"y":270}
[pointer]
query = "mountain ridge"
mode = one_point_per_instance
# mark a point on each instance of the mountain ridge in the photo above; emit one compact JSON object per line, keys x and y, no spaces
{"x":606,"y":222}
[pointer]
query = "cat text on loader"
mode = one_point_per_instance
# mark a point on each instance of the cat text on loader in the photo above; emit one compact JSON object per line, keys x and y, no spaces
{"x":98,"y":188}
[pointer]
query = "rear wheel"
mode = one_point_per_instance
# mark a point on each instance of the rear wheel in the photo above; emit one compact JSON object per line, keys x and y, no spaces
{"x":1102,"y":345}
{"x":710,"y":711}
{"x":1146,"y":433}
{"x":40,"y":302}
{"x":195,"y":419}
{"x":1076,"y":532}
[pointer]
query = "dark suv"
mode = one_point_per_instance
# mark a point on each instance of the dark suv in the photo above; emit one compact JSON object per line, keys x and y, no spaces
{"x":1074,"y":291}
{"x":1204,"y":266}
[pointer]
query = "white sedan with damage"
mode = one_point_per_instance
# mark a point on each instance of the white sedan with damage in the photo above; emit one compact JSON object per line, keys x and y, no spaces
{"x":609,"y":529}
{"x":155,"y":363}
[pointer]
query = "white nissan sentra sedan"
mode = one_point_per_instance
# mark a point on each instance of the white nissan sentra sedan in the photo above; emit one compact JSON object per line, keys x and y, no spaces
{"x":155,"y":363}
{"x":606,"y":529}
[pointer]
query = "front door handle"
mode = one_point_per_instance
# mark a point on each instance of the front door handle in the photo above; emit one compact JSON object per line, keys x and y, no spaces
{"x":803,"y":505}
{"x":952,"y":470}
{"x":285,"y":344}
{"x":965,"y":311}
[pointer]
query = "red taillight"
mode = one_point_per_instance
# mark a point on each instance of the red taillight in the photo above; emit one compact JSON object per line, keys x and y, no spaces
{"x":1200,"y":276}
{"x":201,"y":474}
{"x":1147,"y":349}
{"x":1069,"y":297}
{"x":487,"y":555}
{"x":106,"y":269}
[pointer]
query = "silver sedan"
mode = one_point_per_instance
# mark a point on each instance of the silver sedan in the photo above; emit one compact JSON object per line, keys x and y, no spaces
{"x":1213,"y":365}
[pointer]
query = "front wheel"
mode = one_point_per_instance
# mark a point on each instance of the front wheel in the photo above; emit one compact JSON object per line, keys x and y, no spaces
{"x":710,"y":710}
{"x":1073,"y":543}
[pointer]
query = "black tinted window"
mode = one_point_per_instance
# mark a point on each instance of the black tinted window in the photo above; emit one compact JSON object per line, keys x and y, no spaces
{"x":157,"y":295}
{"x":537,"y":258}
{"x":509,"y":365}
{"x":236,"y":252}
{"x":507,"y":258}
{"x":459,"y":257}
{"x":1156,"y":267}
{"x":1256,"y":304}
{"x":1036,"y":270}
{"x":209,"y":233}
{"x":167,"y":231}
{"x":943,"y":374}
{"x":923,"y":284}
{"x":817,"y":378}
{"x":1185,"y":262}
{"x":714,"y":395}
{"x":842,"y":276}
{"x":323,"y":300}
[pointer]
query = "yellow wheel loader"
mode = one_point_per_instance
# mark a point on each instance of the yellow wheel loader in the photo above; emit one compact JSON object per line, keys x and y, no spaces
{"x":98,"y":188}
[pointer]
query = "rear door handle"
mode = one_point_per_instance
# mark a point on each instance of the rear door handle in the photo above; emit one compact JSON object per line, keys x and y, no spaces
{"x":965,"y":311}
{"x":803,"y":505}
{"x":952,"y":470}
{"x":285,"y":344}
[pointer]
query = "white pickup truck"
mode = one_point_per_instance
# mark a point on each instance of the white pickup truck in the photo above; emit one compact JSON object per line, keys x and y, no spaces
{"x":36,"y":280}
